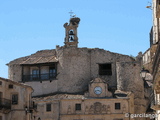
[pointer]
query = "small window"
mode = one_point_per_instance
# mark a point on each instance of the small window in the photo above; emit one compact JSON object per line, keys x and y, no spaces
{"x":48,"y":107}
{"x":117,"y":106}
{"x":10,"y":86}
{"x":78,"y":107}
{"x":105,"y":69}
{"x":14,"y":99}
{"x":0,"y":82}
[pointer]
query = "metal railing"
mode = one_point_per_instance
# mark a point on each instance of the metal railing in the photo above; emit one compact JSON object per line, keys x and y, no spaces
{"x":39,"y":77}
{"x":5,"y":103}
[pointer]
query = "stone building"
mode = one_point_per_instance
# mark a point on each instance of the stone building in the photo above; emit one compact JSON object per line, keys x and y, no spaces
{"x":152,"y":56}
{"x":15,"y":100}
{"x":68,"y":71}
{"x":96,"y":104}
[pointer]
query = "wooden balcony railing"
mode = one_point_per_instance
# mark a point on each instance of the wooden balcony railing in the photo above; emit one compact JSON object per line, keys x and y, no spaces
{"x":39,"y":77}
{"x":5,"y":105}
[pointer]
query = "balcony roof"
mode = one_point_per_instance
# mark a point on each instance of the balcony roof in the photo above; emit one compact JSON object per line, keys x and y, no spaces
{"x":43,"y":56}
{"x":40,"y":60}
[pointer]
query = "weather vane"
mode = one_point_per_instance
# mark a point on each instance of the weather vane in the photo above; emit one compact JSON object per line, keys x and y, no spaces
{"x":72,"y":14}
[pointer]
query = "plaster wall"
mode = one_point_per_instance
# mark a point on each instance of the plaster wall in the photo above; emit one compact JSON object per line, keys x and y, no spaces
{"x":45,"y":115}
{"x":17,"y":111}
{"x":64,"y":109}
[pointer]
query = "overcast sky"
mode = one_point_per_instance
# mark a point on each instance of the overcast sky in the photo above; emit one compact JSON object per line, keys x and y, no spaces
{"x":26,"y":26}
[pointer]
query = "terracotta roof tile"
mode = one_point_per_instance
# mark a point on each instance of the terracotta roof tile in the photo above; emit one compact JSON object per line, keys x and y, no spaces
{"x":37,"y":60}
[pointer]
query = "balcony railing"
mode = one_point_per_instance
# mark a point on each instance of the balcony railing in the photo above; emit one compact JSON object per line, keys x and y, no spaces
{"x":5,"y":105}
{"x":39,"y":77}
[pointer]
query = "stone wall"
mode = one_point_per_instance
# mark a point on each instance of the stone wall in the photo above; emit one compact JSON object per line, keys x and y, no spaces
{"x":63,"y":107}
{"x":17,"y":111}
{"x":128,"y":79}
{"x":76,"y":67}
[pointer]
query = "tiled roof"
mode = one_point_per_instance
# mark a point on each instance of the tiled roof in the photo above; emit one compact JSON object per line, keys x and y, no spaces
{"x":38,"y":60}
{"x":14,"y":82}
{"x":43,"y":56}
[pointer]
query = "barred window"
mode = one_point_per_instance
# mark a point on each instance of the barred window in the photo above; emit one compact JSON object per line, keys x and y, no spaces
{"x":117,"y":106}
{"x":48,"y":107}
{"x":77,"y":106}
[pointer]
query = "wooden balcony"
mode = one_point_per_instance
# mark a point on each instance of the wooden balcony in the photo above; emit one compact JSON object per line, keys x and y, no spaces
{"x":5,"y":105}
{"x":39,"y":77}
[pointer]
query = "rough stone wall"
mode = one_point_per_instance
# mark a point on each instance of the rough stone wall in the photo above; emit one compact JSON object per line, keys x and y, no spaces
{"x":15,"y":70}
{"x":103,"y":56}
{"x":76,"y":67}
{"x":128,"y":79}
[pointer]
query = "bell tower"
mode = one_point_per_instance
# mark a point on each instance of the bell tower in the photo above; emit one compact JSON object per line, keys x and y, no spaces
{"x":71,"y":38}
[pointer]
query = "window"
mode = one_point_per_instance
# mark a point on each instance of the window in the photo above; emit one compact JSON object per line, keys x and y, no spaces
{"x":14,"y":99}
{"x":105,"y":69}
{"x":0,"y":82}
{"x":52,"y":72}
{"x":78,"y":107}
{"x":1,"y":95}
{"x":71,"y":36}
{"x":10,"y":86}
{"x":117,"y":106}
{"x":35,"y":74}
{"x":48,"y":107}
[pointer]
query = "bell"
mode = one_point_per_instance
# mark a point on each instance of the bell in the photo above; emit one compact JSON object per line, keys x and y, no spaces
{"x":71,"y":33}
{"x":71,"y":38}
